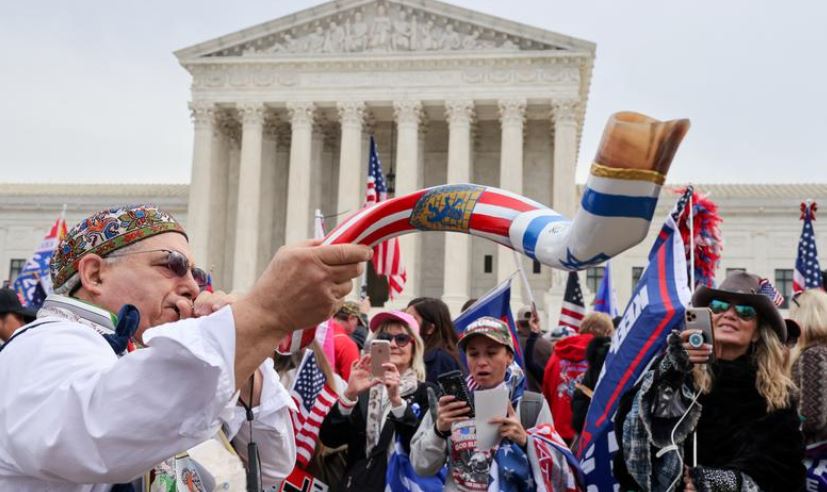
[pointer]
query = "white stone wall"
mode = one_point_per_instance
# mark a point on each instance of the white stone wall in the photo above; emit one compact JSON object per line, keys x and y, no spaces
{"x":27,"y":212}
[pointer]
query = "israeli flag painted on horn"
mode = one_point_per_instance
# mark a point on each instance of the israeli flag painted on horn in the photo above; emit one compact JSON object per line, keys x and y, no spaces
{"x":618,"y":203}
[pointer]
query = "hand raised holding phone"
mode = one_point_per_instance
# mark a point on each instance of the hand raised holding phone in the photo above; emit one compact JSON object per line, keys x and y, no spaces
{"x":361,"y":378}
{"x":698,"y":336}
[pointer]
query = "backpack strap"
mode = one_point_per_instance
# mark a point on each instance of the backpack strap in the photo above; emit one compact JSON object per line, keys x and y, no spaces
{"x":530,"y":406}
{"x":24,"y":330}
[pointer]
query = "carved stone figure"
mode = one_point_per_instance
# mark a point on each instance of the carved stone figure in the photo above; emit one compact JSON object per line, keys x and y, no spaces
{"x":402,"y":30}
{"x":471,"y":41}
{"x":425,"y":40}
{"x":451,"y":40}
{"x":334,"y":41}
{"x":315,"y":40}
{"x":357,"y":33}
{"x":381,"y":30}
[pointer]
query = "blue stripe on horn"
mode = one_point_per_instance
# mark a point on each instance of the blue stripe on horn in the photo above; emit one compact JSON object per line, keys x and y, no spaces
{"x":605,"y":205}
{"x":535,"y":227}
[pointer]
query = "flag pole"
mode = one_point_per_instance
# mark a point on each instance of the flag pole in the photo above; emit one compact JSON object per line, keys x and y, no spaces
{"x":526,"y":286}
{"x":692,"y":288}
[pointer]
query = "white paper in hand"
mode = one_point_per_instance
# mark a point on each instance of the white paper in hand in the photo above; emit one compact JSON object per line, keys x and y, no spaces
{"x":487,"y":405}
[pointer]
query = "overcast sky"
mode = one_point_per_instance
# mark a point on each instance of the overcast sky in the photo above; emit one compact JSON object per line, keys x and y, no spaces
{"x":91,"y":92}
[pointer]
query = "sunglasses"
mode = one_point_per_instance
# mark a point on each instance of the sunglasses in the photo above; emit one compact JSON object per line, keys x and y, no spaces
{"x":744,"y":312}
{"x":401,"y":339}
{"x":177,"y":263}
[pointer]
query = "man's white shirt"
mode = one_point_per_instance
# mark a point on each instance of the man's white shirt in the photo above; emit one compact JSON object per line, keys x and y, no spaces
{"x":75,"y":417}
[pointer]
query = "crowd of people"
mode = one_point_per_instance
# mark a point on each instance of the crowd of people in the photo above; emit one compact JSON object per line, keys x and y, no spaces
{"x":132,"y":363}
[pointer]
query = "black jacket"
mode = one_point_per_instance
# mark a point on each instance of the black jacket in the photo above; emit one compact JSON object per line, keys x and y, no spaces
{"x":736,"y":432}
{"x":439,"y":361}
{"x":338,"y":429}
{"x":595,"y":355}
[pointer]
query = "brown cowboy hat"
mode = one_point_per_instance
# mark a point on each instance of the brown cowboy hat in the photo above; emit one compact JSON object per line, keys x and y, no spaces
{"x":744,"y":288}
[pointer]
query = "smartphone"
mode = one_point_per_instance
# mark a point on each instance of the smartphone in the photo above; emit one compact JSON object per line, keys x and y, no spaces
{"x":700,"y":318}
{"x":380,"y":353}
{"x":453,"y":383}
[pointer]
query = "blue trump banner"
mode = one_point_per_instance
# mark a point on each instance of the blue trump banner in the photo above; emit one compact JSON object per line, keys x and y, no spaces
{"x":657,"y":306}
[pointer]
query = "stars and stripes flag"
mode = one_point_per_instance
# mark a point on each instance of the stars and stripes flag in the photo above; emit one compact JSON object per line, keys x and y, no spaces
{"x":314,"y":398}
{"x":807,"y":274}
{"x":387,"y":255}
{"x":573,"y":309}
{"x":765,"y":287}
{"x":34,"y":281}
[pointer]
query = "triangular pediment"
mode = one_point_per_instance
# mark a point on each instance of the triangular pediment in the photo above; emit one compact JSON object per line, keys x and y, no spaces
{"x":364,"y":27}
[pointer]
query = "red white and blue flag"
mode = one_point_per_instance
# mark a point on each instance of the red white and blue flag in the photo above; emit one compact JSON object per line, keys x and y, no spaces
{"x":657,"y":306}
{"x":496,"y":304}
{"x":573,"y":310}
{"x":314,"y":397}
{"x":387,"y":255}
{"x":606,"y":299}
{"x":34,"y":282}
{"x":807,"y":274}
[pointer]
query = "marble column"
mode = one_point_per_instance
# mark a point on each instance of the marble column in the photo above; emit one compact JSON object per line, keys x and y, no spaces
{"x":564,"y":190}
{"x":512,"y":117}
{"x":349,"y":198}
{"x":409,"y":178}
{"x":299,"y":214}
{"x":245,"y":255}
{"x":201,"y":183}
{"x":456,"y":280}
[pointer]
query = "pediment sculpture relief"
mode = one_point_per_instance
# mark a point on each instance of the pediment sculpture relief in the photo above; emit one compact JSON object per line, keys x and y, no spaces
{"x":381,"y":28}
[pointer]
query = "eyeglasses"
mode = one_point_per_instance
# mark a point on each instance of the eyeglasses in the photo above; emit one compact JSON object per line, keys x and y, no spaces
{"x":177,"y":263}
{"x":401,"y":339}
{"x":795,"y":297}
{"x":744,"y":312}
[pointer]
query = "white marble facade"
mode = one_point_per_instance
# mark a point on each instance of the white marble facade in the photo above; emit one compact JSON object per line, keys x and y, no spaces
{"x":283,"y":110}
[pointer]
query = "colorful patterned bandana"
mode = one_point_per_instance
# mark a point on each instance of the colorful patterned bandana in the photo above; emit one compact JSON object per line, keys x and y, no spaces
{"x":103,"y":233}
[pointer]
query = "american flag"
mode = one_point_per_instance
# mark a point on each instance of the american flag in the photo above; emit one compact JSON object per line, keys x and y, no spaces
{"x":313,"y":398}
{"x":387,"y":257}
{"x":573,"y":310}
{"x":765,"y":287}
{"x":807,"y":274}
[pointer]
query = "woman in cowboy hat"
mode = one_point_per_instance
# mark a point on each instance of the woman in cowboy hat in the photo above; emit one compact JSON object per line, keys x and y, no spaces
{"x":745,"y":415}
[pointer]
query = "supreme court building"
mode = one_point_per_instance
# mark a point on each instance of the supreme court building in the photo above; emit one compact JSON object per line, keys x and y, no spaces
{"x":283,"y":112}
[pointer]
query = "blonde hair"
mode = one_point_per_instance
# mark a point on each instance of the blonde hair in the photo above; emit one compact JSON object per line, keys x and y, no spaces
{"x":598,"y":324}
{"x":811,"y":314}
{"x":772,"y":375}
{"x":417,"y":354}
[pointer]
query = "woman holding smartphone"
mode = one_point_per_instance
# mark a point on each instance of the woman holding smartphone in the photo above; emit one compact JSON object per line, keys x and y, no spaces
{"x":377,"y":407}
{"x":451,"y":437}
{"x":745,"y":415}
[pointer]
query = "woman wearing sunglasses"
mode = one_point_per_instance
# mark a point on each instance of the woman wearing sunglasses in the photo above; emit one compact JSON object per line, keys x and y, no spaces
{"x":373,"y":413}
{"x":745,"y":415}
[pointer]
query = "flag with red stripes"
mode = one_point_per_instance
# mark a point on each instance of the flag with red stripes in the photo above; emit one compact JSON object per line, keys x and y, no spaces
{"x":314,"y":398}
{"x":807,"y":273}
{"x":573,"y":310}
{"x":387,"y":256}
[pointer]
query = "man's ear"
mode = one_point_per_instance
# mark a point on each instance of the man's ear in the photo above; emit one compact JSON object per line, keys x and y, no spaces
{"x":90,"y":271}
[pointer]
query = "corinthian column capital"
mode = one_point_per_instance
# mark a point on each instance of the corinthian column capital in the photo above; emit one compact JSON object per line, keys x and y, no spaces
{"x":459,"y":111}
{"x":301,"y":113}
{"x":565,"y":110}
{"x":251,"y":113}
{"x":202,"y":113}
{"x":512,"y":111}
{"x":407,"y":112}
{"x":351,"y":113}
